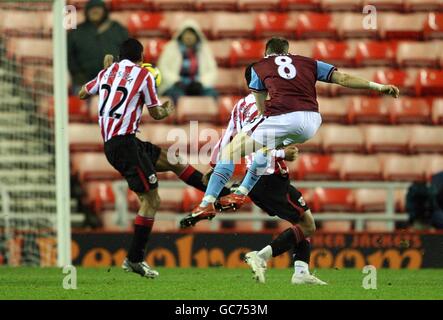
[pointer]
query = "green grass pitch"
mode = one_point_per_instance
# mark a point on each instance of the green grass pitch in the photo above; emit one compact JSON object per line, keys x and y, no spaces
{"x":216,"y":283}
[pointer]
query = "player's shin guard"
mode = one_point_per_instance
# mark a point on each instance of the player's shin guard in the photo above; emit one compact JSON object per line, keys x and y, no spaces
{"x":142,"y":229}
{"x":222,"y":173}
{"x":193,"y":177}
{"x":256,"y":170}
{"x":290,"y":238}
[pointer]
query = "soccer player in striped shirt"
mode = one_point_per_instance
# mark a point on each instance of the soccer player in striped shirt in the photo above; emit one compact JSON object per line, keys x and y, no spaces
{"x":124,"y":87}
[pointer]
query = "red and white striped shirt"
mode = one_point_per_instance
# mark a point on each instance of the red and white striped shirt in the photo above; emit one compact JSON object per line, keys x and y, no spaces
{"x":243,"y":116}
{"x":123,"y":89}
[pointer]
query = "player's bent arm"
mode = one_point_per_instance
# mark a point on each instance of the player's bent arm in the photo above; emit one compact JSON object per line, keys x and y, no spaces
{"x":349,"y":81}
{"x":83,"y":93}
{"x":162,"y":111}
{"x":260,"y":98}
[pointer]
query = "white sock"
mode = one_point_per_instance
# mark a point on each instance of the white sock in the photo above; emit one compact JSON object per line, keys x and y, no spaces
{"x":207,"y":199}
{"x":301,"y":267}
{"x":242,"y":190}
{"x":265,"y":253}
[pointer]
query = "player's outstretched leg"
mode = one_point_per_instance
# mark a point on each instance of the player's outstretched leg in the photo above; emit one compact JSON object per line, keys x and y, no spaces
{"x":149,"y":203}
{"x":257,"y":168}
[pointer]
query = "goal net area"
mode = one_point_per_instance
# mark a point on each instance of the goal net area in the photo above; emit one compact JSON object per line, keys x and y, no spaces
{"x":28,"y":190}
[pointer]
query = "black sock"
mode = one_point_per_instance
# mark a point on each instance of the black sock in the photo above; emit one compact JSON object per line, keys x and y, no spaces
{"x":142,"y":229}
{"x":288,"y":239}
{"x":193,"y":177}
{"x":303,"y":251}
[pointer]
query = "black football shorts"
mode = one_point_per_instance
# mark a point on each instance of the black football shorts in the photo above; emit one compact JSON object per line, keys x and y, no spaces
{"x":275,"y":195}
{"x":135,"y":160}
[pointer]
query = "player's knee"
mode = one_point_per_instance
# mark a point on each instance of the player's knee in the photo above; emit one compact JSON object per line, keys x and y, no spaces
{"x":149,"y":202}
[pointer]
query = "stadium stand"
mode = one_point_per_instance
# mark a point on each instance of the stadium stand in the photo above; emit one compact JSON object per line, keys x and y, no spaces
{"x":366,"y":137}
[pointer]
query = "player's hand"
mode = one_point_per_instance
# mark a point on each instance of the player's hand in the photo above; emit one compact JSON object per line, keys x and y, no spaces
{"x":107,"y":61}
{"x":207,"y":176}
{"x":168,"y":106}
{"x":390,"y":90}
{"x":291,"y":152}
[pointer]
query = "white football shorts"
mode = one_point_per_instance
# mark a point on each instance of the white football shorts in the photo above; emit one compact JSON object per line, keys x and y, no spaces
{"x":284,"y":129}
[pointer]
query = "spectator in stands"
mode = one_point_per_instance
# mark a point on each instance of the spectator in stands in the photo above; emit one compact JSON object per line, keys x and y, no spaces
{"x":88,"y":44}
{"x":187,"y":64}
{"x":424,"y":203}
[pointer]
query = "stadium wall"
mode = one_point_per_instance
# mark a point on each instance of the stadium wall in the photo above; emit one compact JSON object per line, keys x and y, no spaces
{"x":330,"y":250}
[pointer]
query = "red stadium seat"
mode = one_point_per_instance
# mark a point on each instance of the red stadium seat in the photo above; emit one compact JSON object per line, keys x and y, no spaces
{"x":225,"y":106}
{"x":437,"y":111}
{"x":377,"y":226}
{"x":229,"y":25}
{"x":131,"y":4}
{"x":230,"y":81}
{"x":429,"y":82}
{"x":336,"y":226}
{"x":375,"y":53}
{"x":360,"y":167}
{"x":78,"y":110}
{"x":165,"y":226}
{"x":337,"y":138}
{"x":303,"y":48}
{"x":93,"y":166}
{"x":417,"y":54}
{"x":385,"y":5}
{"x":216,"y":4}
{"x":312,"y":145}
{"x":341,"y":5}
{"x":196,"y":109}
{"x":247,"y":5}
{"x":173,"y":4}
{"x":85,"y":137}
{"x":221,"y":50}
{"x":316,"y":25}
{"x":370,"y":200}
{"x":426,"y":139}
{"x":175,"y":20}
{"x":402,"y":168}
{"x":153,"y":49}
{"x":289,"y":5}
{"x":30,"y":50}
{"x":423,"y":5}
{"x":146,"y":24}
{"x":404,"y":80}
{"x":367,"y":110}
{"x":171,"y":198}
{"x":333,"y":109}
{"x":316,"y":167}
{"x":409,"y":110}
{"x":434,"y":165}
{"x":333,"y":200}
{"x":21,"y":23}
{"x":244,"y":52}
{"x":386,"y":138}
{"x":350,"y":25}
{"x":402,"y":26}
{"x":164,"y":135}
{"x":191,"y":198}
{"x":269,"y":24}
{"x":433,"y":28}
{"x":336,"y":53}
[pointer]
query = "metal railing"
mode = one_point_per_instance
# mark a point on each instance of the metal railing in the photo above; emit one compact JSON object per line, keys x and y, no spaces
{"x":390,"y":216}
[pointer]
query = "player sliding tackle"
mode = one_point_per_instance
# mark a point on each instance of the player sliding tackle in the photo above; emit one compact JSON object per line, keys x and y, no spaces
{"x":274,"y":194}
{"x":290,"y":115}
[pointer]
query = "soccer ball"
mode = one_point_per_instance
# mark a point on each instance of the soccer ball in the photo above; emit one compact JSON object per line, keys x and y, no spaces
{"x":155,"y":73}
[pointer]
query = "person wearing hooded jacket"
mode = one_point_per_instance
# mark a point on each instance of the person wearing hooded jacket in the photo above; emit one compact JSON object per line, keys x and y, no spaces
{"x":91,"y":41}
{"x":187,"y":64}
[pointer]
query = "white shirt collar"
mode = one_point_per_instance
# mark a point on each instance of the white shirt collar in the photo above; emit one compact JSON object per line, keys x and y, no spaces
{"x":127,"y":62}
